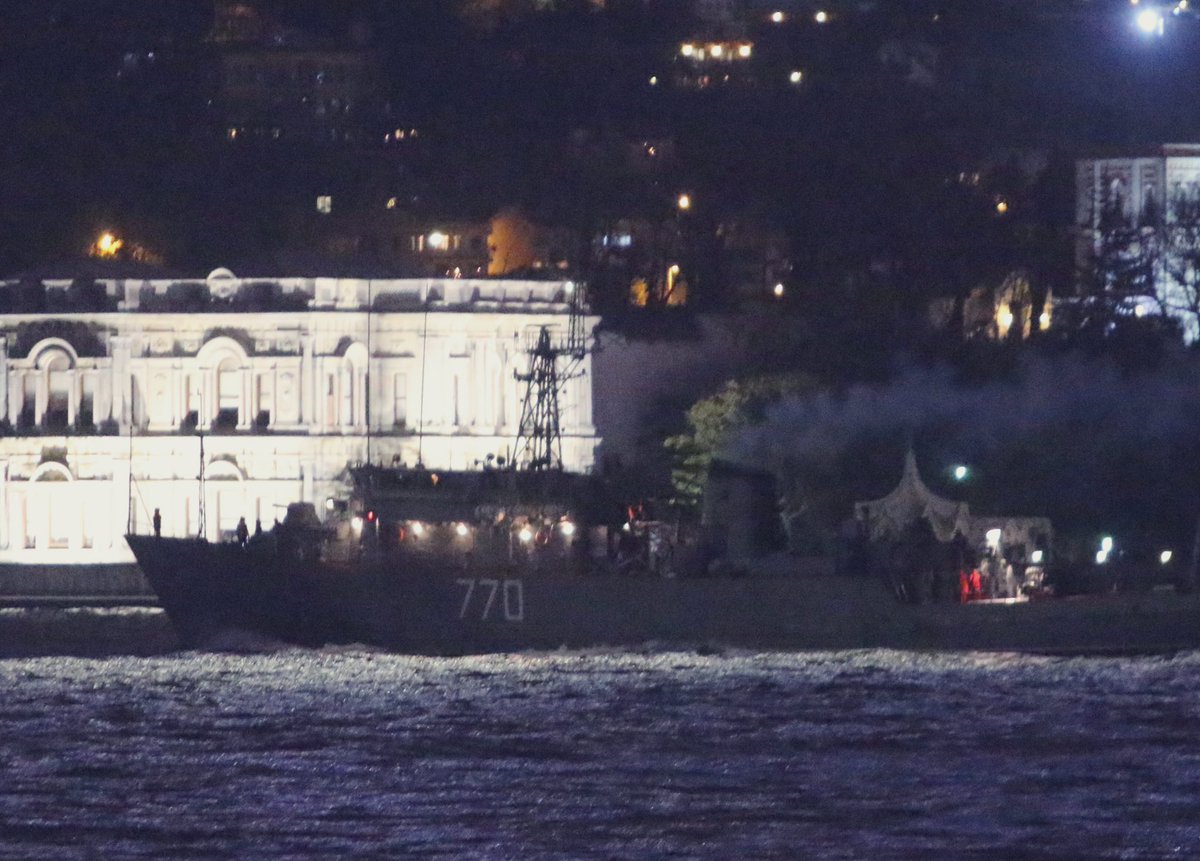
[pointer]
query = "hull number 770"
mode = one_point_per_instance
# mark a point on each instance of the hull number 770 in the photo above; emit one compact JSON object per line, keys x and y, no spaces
{"x":488,"y":599}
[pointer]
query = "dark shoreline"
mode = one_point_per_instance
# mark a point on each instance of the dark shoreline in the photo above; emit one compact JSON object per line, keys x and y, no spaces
{"x":85,"y":632}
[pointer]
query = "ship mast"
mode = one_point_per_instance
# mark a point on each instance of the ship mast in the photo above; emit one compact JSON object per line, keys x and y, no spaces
{"x":539,"y":435}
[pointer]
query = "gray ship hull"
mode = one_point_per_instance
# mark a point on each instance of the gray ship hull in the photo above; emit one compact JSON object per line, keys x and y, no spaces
{"x":430,"y":606}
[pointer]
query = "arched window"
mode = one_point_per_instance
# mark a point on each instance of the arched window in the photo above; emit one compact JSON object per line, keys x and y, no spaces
{"x":349,"y":414}
{"x":221,"y":394}
{"x":58,"y":392}
{"x":229,"y":393}
{"x":352,"y":387}
{"x":49,"y":396}
{"x":49,"y":518}
{"x":1149,"y":205}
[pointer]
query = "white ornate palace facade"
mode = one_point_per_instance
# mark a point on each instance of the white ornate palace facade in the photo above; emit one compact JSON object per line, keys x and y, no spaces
{"x":276,"y":385}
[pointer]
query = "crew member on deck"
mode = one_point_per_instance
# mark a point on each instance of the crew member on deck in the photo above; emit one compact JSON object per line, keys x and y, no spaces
{"x":157,"y":520}
{"x":243,"y":531}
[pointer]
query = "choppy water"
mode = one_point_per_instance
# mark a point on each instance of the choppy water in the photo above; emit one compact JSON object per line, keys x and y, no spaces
{"x":359,"y":754}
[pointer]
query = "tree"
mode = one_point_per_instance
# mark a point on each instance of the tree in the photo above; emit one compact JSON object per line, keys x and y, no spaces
{"x":1123,"y":262}
{"x":713,"y":421}
{"x":1180,"y":295}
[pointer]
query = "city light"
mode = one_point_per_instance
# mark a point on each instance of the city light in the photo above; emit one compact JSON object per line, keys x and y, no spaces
{"x":687,"y":49}
{"x":961,"y":472}
{"x":796,"y":76}
{"x":1165,"y":557}
{"x":777,"y":17}
{"x":684,"y":202}
{"x":568,"y":528}
{"x":778,"y":290}
{"x":1150,"y":22}
{"x":438,"y":240}
{"x":418,"y":529}
{"x":526,"y":534}
{"x":460,"y":529}
{"x":1037,"y":556}
{"x":1002,"y":206}
{"x":1004,"y":317}
{"x":821,"y":17}
{"x":107,"y":245}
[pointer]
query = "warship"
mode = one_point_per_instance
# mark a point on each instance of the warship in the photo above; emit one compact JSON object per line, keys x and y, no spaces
{"x":453,"y":563}
{"x":505,"y":559}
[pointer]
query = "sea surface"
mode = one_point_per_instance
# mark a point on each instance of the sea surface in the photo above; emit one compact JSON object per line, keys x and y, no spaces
{"x":275,"y":752}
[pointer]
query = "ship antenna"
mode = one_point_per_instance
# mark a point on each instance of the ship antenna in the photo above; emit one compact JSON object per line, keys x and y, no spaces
{"x":367,"y":376}
{"x":200,"y":478}
{"x":129,"y":493}
{"x":539,"y":434}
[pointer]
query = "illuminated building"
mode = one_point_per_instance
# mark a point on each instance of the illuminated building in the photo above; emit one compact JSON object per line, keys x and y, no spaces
{"x":280,"y":382}
{"x":1141,"y":195}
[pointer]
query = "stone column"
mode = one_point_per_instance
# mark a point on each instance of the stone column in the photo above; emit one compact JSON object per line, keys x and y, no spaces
{"x":306,"y":384}
{"x":5,"y":380}
{"x":122,"y":374}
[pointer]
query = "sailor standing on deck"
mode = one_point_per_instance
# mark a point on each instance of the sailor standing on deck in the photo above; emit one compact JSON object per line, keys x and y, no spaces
{"x":243,"y":531}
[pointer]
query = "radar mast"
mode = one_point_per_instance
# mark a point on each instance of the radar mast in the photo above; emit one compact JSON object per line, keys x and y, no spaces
{"x":554,"y":358}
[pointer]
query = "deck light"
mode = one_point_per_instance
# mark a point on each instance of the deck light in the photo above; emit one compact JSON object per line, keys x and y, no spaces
{"x":1165,"y":557}
{"x":777,"y":289}
{"x":461,"y":530}
{"x":356,"y":524}
{"x":526,"y":534}
{"x":777,"y":17}
{"x":961,"y":472}
{"x":418,"y":528}
{"x":1036,"y":557}
{"x":568,"y":528}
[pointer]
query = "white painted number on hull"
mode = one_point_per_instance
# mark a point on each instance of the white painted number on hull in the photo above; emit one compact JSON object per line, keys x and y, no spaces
{"x":480,"y":599}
